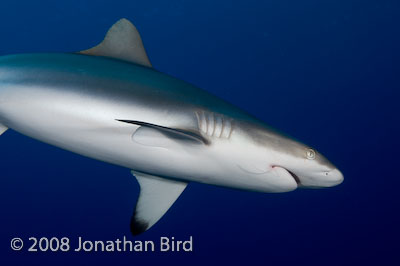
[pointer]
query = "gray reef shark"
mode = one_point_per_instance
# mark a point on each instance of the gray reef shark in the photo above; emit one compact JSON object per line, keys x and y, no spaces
{"x":109,"y":104}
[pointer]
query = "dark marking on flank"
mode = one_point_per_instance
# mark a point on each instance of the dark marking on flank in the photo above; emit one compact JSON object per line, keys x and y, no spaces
{"x":178,"y":134}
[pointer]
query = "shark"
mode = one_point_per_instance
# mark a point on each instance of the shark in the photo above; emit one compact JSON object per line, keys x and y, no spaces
{"x":108,"y":103}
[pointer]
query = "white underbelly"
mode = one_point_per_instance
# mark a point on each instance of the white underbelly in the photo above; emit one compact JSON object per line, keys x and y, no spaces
{"x":97,"y":134}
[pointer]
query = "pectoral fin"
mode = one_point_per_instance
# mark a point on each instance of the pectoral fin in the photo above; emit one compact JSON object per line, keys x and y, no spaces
{"x":156,"y":196}
{"x":158,"y":136}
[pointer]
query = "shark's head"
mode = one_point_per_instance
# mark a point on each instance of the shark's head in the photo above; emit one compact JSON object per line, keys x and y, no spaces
{"x":277,"y":153}
{"x":308,"y":167}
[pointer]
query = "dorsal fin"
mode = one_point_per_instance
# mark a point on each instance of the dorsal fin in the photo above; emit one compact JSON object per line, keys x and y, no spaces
{"x":123,"y":42}
{"x":3,"y":128}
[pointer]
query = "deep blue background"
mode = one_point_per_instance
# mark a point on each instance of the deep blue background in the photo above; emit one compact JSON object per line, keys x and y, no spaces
{"x":326,"y":72}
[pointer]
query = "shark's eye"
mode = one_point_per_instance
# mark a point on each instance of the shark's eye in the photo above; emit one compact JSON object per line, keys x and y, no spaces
{"x":310,"y":154}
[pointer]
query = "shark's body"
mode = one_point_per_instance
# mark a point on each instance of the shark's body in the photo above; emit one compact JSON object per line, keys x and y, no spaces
{"x":109,"y":104}
{"x":77,"y":102}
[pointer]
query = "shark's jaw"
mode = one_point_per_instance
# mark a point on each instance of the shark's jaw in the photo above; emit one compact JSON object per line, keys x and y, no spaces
{"x":295,"y":177}
{"x":323,"y":179}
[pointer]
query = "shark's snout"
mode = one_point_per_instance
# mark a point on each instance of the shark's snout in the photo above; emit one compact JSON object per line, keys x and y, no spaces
{"x":333,"y":178}
{"x":319,"y":179}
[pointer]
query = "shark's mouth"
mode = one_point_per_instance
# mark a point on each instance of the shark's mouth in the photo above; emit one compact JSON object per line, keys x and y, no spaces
{"x":295,"y":177}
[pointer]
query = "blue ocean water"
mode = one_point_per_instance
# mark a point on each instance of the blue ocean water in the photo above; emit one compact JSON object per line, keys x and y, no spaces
{"x":326,"y":72}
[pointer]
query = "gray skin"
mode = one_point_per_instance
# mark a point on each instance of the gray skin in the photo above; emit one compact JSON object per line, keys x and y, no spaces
{"x":94,"y":106}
